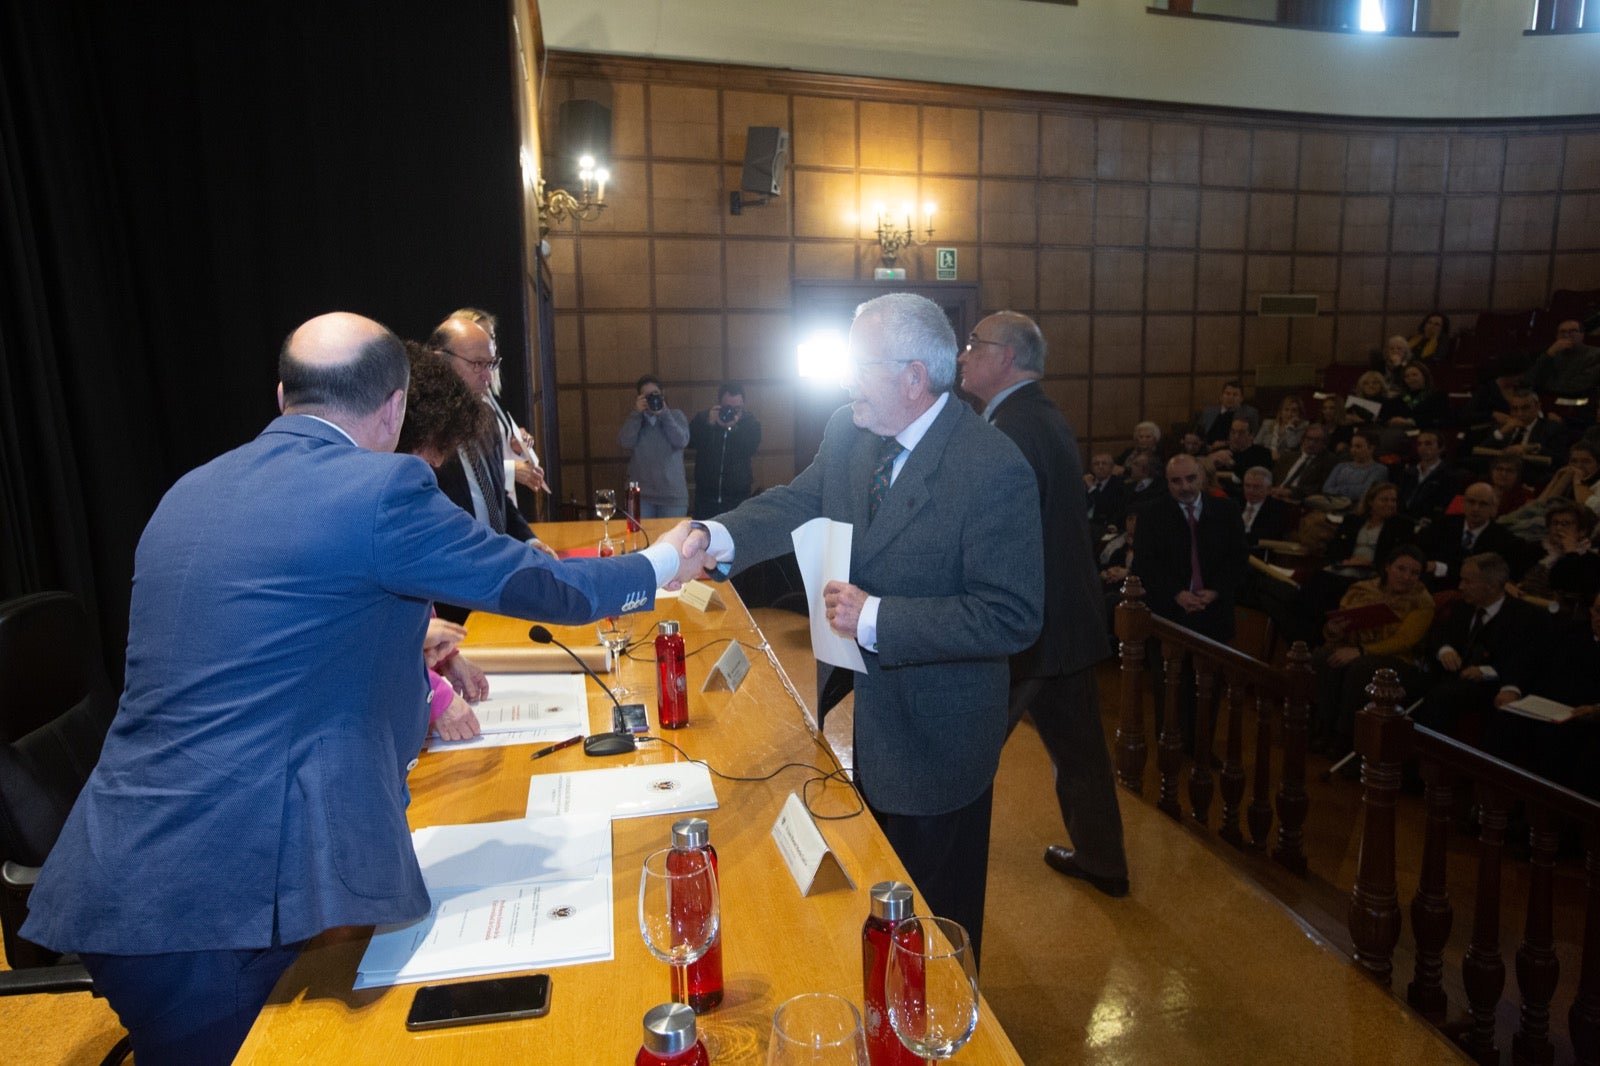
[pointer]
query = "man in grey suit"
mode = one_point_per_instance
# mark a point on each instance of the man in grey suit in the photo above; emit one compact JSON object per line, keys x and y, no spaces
{"x":1053,"y":681}
{"x":946,"y":581}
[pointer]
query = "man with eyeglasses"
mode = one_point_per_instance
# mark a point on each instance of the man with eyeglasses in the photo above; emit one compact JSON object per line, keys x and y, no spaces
{"x":475,"y":479}
{"x":946,"y":581}
{"x":1568,"y":367}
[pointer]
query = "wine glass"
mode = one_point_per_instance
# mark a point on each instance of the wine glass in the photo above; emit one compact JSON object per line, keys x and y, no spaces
{"x":931,"y":989}
{"x":678,"y":911}
{"x":614,"y":633}
{"x":817,"y":1029}
{"x":605,"y":505}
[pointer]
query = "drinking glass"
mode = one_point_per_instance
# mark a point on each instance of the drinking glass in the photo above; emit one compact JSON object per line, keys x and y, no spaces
{"x":817,"y":1029}
{"x":931,"y":989}
{"x":608,"y":547}
{"x":605,"y":505}
{"x":678,"y":911}
{"x":614,"y":633}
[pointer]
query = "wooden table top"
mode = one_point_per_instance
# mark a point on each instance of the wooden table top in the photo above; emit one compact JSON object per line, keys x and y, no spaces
{"x":776,"y":943}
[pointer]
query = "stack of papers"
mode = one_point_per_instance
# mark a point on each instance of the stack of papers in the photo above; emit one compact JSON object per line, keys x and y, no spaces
{"x":527,"y":709}
{"x":512,"y":895}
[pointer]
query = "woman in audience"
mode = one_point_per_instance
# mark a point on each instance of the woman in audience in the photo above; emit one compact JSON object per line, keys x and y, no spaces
{"x":1419,"y":405}
{"x":1332,"y":412}
{"x":1346,"y":663}
{"x":1282,"y":434}
{"x":1373,"y":388}
{"x":1372,"y":532}
{"x":1146,"y":442}
{"x":1396,"y":354}
{"x":1192,"y":444}
{"x":1350,"y":480}
{"x":1505,"y":474}
{"x":1576,"y":480}
{"x":1569,"y":574}
{"x":1432,"y":342}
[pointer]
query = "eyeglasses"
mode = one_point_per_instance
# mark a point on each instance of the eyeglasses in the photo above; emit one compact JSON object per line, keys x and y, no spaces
{"x":856,"y":364}
{"x":479,"y":365}
{"x":973,"y":342}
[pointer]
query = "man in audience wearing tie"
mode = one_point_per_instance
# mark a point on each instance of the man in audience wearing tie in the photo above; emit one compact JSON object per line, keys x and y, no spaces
{"x":1527,"y":433}
{"x":946,"y":582}
{"x":1107,"y":494}
{"x":1301,"y":474}
{"x":1478,"y":641}
{"x":1191,"y":553}
{"x":1053,"y":681}
{"x":1264,"y":518}
{"x":1453,"y":538}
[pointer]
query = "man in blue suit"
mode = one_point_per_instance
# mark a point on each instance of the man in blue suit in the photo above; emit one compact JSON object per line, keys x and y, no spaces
{"x":251,"y":792}
{"x":946,"y":581}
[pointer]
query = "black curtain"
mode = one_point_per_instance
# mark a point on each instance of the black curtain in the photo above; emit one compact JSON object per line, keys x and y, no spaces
{"x":183,"y":183}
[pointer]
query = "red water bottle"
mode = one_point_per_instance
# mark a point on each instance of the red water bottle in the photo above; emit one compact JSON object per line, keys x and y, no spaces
{"x":705,"y":973}
{"x":672,"y":685}
{"x":670,"y":1038}
{"x":891,"y":901}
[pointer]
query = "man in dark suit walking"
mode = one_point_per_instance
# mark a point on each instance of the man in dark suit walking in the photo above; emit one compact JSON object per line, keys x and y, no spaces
{"x":946,"y":581}
{"x":1053,"y":681}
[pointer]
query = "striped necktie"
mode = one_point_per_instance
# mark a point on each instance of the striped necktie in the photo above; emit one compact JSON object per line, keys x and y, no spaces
{"x":882,"y":474}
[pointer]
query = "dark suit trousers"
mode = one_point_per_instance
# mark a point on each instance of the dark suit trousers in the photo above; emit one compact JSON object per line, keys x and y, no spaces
{"x":1066,"y":711}
{"x":947,"y":855}
{"x":188,"y":1008}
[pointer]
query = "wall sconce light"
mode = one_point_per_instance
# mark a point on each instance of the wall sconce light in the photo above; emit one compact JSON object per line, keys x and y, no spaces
{"x":891,"y":238}
{"x":584,"y":137}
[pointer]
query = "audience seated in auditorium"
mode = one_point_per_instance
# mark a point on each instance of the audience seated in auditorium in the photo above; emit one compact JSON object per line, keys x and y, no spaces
{"x":1331,"y":418}
{"x":1505,"y":474}
{"x":1418,"y":405}
{"x":1568,"y":367}
{"x":1428,"y":485}
{"x":1346,"y":662}
{"x":1146,"y":442}
{"x":1482,"y":636}
{"x":1432,"y":342}
{"x":1281,"y":435}
{"x":1391,"y":365}
{"x":1526,"y":431}
{"x":1264,"y":518}
{"x":1143,"y":484}
{"x":1215,"y":422}
{"x":1568,"y":573}
{"x":1240,"y":454}
{"x":1576,"y":480}
{"x":1348,"y":481}
{"x":1375,"y":529}
{"x":1301,"y":474}
{"x":1107,"y":494}
{"x":1371,"y":391}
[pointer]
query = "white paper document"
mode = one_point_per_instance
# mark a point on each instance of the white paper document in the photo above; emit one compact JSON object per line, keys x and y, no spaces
{"x":519,"y":926}
{"x":521,"y":849}
{"x":623,"y":791}
{"x":1539,"y":707}
{"x":527,"y":709}
{"x":822,"y":549}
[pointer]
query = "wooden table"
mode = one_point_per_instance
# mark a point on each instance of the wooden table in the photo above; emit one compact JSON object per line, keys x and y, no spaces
{"x":776,"y":943}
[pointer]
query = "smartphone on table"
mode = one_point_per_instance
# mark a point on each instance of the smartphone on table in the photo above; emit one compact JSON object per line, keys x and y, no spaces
{"x":492,"y":999}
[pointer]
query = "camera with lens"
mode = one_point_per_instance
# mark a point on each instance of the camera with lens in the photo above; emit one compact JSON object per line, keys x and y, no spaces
{"x":655,"y":401}
{"x":727,"y":414}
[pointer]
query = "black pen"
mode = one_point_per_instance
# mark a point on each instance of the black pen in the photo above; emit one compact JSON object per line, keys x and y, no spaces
{"x":552,"y":749}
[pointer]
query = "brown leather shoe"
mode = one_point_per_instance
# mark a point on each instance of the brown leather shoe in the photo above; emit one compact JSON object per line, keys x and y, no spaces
{"x":1064,"y":861}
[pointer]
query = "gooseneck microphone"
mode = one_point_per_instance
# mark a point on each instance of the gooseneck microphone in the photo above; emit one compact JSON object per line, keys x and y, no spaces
{"x":600,"y":743}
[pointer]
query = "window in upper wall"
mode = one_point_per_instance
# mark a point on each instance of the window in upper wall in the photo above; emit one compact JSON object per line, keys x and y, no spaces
{"x":1394,"y":17}
{"x":1564,"y":16}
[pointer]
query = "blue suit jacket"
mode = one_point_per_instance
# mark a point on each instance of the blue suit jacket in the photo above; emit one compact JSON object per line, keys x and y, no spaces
{"x":956,"y":552}
{"x":253,"y":782}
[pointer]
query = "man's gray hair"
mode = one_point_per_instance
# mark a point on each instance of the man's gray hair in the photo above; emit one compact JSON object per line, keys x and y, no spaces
{"x":1493,"y":569}
{"x":915,"y":329}
{"x":1261,"y":472}
{"x":1021,"y":334}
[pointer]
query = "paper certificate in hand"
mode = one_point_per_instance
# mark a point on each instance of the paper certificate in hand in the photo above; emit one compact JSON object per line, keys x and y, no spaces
{"x":822,"y":550}
{"x":526,"y":709}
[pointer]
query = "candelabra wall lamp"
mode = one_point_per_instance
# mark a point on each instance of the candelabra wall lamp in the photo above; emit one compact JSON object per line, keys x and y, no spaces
{"x":579,"y":191}
{"x":892,"y":238}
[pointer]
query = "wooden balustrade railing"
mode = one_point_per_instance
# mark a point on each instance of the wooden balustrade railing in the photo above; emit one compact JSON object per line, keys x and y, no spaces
{"x":1282,"y":694}
{"x":1385,"y":738}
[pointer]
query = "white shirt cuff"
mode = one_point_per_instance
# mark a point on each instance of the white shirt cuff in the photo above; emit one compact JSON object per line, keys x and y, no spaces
{"x":664,"y":557}
{"x":721,"y":547}
{"x":867,"y":624}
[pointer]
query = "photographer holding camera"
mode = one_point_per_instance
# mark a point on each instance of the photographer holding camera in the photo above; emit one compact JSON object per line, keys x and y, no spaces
{"x":654,"y":435}
{"x":724,"y":440}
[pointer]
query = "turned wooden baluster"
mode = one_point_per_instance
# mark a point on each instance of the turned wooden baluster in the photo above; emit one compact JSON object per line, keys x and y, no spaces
{"x":1259,"y":814}
{"x":1431,"y":913}
{"x":1383,"y":737}
{"x":1583,"y":1020}
{"x":1537,"y":966}
{"x":1232,"y":783}
{"x":1133,"y":629}
{"x":1483,"y":971}
{"x":1293,"y":803}
{"x":1201,"y":784}
{"x":1169,"y":754}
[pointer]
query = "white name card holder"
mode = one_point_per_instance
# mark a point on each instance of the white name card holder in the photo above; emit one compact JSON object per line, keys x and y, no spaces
{"x":805,"y":851}
{"x":702,"y":596}
{"x":730,"y":670}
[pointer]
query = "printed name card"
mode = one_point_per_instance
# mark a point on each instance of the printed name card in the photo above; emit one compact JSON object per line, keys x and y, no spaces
{"x":702,"y":596}
{"x":730,"y":670}
{"x":805,"y":851}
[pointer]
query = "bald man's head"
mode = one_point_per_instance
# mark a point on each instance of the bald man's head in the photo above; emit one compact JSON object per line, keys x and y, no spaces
{"x":341,"y":363}
{"x":470,"y":349}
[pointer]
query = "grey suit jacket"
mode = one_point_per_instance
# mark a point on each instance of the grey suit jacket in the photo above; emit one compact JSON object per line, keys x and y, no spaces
{"x":956,"y":553}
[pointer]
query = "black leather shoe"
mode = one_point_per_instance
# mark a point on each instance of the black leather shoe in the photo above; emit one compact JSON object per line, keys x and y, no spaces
{"x":1063,"y":861}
